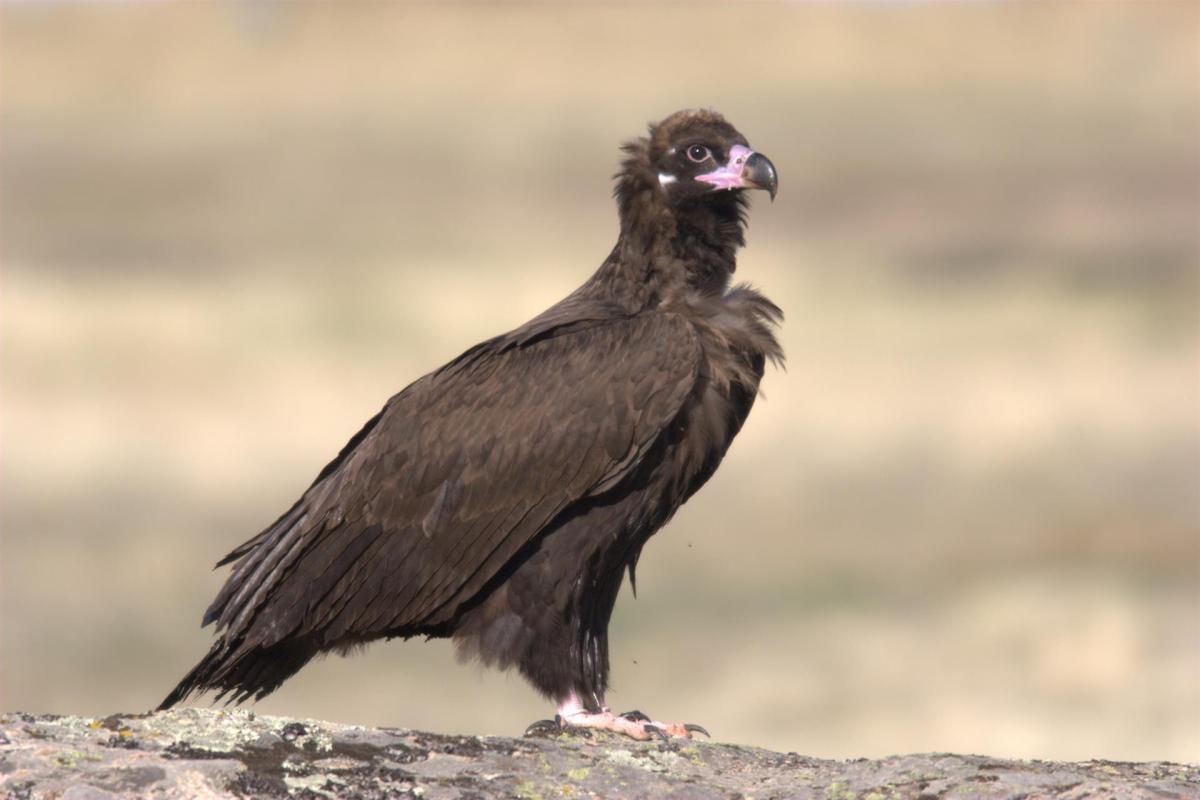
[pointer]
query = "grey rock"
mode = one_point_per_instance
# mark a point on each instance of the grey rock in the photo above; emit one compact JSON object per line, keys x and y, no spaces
{"x":200,"y":753}
{"x":84,"y":791}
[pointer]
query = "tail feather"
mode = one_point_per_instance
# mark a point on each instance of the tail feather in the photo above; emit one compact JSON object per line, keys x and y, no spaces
{"x":242,"y":675}
{"x":256,"y":557}
{"x":252,"y":657}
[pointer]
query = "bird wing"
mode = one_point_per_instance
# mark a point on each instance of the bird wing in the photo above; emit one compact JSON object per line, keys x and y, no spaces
{"x":454,"y":476}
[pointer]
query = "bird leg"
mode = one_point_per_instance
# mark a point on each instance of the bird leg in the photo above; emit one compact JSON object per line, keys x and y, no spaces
{"x":572,"y":713}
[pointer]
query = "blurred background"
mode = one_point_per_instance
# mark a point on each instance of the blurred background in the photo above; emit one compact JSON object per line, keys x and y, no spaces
{"x":967,"y":516}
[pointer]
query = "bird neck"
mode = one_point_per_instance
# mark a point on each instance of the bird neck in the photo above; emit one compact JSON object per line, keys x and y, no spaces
{"x":664,"y":251}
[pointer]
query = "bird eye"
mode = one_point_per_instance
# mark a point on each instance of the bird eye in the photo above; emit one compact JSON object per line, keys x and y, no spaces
{"x":698,"y":153}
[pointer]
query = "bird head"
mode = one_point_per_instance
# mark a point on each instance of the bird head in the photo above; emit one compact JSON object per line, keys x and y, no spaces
{"x":695,"y":157}
{"x":681,"y":197}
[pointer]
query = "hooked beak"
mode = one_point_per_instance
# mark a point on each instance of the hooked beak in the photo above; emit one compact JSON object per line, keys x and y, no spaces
{"x":746,"y":170}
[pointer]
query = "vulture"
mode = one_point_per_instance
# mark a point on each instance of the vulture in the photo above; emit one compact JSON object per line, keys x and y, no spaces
{"x":501,"y":499}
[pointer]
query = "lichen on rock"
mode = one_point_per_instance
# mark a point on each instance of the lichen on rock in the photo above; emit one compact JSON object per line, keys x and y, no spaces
{"x":205,"y":753}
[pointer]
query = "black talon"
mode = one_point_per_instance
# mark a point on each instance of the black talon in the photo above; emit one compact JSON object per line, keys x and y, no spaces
{"x":692,"y":727}
{"x":654,"y":730}
{"x":635,"y":716}
{"x":544,"y":726}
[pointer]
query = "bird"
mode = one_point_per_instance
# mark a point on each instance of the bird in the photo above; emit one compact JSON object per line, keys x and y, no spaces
{"x":501,"y":499}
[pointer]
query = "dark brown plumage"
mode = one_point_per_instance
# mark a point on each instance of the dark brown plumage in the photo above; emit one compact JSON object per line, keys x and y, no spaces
{"x":501,"y":499}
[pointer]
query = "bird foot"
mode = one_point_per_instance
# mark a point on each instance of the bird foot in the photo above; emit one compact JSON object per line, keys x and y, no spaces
{"x":673,"y":728}
{"x":633,"y":724}
{"x":545,"y":727}
{"x":573,"y":714}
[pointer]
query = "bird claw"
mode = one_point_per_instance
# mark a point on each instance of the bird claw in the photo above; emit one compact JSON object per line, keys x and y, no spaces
{"x":654,"y":730}
{"x":633,"y":724}
{"x":544,"y":727}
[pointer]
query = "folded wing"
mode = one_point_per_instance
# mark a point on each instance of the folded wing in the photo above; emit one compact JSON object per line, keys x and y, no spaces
{"x":442,"y":489}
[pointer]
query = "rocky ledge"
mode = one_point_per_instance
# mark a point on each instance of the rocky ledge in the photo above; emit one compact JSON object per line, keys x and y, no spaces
{"x":214,"y":754}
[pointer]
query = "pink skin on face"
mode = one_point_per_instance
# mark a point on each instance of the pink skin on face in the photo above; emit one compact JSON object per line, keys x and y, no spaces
{"x":729,"y":176}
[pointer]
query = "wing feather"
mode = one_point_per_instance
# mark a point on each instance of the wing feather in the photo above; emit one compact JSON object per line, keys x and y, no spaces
{"x":459,"y":472}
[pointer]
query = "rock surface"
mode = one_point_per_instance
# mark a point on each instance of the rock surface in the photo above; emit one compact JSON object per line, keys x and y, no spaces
{"x":215,"y":754}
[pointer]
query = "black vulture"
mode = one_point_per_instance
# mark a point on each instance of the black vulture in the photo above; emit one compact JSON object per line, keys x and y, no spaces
{"x":501,"y":499}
